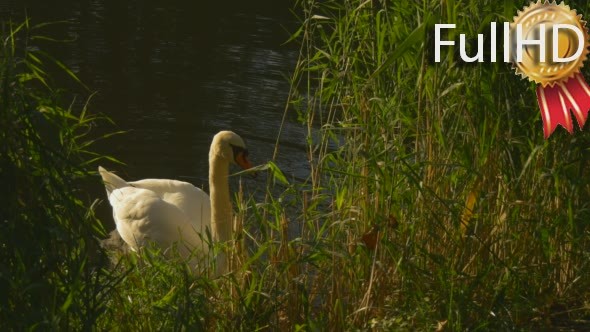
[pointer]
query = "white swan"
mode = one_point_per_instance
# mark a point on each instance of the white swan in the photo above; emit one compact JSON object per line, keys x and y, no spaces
{"x":169,"y":212}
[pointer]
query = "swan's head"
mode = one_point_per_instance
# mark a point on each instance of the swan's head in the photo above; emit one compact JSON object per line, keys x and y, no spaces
{"x":230,"y":147}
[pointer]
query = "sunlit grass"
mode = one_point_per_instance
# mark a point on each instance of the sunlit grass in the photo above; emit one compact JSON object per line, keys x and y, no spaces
{"x":478,"y":221}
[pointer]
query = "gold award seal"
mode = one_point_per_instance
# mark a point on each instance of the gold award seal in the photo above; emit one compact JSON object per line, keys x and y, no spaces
{"x":549,"y":14}
{"x":561,"y":88}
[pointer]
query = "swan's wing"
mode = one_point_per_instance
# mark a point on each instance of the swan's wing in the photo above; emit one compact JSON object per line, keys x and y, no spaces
{"x":141,"y":217}
{"x":111,"y":181}
{"x":194,"y":202}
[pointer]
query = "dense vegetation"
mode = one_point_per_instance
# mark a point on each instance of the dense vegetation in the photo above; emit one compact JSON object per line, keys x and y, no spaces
{"x":433,"y":200}
{"x":480,"y":222}
{"x":48,"y":235}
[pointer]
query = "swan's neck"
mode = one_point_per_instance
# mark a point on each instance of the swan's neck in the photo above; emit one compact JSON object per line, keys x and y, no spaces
{"x":221,"y":210}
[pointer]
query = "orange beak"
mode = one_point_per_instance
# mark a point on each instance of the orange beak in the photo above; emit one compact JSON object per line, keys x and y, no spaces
{"x":242,"y":161}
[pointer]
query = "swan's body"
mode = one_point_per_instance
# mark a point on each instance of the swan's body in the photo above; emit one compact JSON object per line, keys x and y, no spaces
{"x":170,"y":212}
{"x":160,"y":211}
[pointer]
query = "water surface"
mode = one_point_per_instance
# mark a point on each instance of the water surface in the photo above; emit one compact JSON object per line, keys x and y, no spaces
{"x":174,"y":73}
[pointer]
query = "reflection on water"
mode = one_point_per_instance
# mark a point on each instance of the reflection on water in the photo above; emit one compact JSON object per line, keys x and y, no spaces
{"x":174,"y":73}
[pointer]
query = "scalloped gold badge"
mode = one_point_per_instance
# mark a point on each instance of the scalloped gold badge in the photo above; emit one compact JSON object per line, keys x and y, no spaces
{"x":548,"y":45}
{"x":548,"y":15}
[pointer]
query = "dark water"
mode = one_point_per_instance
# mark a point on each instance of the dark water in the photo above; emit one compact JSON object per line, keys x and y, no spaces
{"x":174,"y":73}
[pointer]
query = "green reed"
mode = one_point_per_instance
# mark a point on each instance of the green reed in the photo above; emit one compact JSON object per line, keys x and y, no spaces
{"x":478,"y":221}
{"x":49,"y":275}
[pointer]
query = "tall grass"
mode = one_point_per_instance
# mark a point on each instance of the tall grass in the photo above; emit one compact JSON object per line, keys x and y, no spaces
{"x":447,"y":205}
{"x":433,"y":200}
{"x":49,"y":275}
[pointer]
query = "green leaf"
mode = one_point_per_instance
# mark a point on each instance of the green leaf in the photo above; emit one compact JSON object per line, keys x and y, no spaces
{"x":415,"y":37}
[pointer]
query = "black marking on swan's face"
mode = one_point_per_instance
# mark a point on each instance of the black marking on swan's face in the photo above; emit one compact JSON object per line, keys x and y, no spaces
{"x":241,"y":156}
{"x":237,"y":150}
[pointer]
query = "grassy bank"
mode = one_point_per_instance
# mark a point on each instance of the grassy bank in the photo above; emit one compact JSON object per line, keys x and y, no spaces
{"x":433,"y":199}
{"x":475,"y":219}
{"x":49,"y":237}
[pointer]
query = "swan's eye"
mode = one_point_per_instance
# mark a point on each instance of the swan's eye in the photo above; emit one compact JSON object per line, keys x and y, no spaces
{"x":237,"y":150}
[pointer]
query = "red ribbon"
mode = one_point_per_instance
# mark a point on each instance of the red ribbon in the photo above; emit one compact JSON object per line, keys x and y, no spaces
{"x":556,"y":102}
